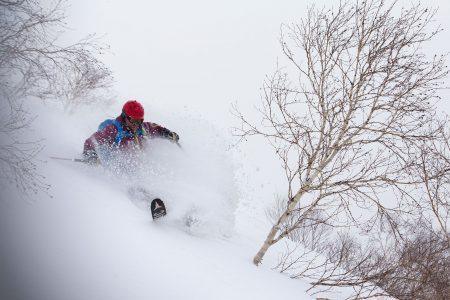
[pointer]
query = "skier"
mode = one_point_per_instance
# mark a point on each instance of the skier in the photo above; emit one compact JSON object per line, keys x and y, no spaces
{"x":125,"y":133}
{"x":128,"y":131}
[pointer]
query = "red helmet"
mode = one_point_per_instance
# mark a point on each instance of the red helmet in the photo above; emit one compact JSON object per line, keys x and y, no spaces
{"x":133,"y":109}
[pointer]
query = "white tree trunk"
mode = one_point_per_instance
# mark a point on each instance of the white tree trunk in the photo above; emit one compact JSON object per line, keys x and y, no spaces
{"x":270,"y":240}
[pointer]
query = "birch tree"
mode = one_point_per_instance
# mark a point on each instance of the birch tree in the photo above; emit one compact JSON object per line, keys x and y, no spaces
{"x":349,"y":116}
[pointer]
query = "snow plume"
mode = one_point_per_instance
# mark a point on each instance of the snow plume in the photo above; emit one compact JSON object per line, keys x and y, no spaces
{"x":195,"y":181}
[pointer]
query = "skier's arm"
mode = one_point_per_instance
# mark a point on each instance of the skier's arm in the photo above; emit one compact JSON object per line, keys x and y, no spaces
{"x":171,"y":135}
{"x":153,"y":129}
{"x":105,"y":136}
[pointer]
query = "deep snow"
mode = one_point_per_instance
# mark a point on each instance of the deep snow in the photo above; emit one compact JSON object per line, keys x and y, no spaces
{"x":87,"y":240}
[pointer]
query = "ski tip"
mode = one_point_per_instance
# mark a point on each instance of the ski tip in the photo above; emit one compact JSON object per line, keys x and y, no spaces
{"x":158,"y":209}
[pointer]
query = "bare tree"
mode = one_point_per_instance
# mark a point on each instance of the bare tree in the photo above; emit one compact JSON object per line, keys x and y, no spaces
{"x":18,"y":157}
{"x":33,"y":65}
{"x":434,"y":169}
{"x":351,"y":130}
{"x":420,"y":268}
{"x":415,"y":267}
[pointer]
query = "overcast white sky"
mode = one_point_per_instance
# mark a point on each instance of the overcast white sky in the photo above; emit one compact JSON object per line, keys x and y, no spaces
{"x":197,"y":55}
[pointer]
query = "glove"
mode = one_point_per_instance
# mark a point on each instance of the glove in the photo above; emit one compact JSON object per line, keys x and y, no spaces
{"x":173,"y":136}
{"x":90,"y":156}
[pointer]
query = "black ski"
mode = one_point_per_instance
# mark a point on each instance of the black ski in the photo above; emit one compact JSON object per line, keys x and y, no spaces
{"x":158,"y":209}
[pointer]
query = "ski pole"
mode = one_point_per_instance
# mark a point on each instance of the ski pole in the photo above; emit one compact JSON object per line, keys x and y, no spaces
{"x":69,"y":159}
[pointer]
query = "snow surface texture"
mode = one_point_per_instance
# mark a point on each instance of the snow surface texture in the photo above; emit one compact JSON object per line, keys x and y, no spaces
{"x":89,"y":241}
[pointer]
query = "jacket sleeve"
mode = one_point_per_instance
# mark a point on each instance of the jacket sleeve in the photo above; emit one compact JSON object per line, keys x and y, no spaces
{"x":106,"y":137}
{"x":153,"y":129}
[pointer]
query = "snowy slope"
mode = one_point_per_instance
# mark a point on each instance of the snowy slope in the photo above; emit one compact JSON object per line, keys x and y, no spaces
{"x":89,"y":241}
